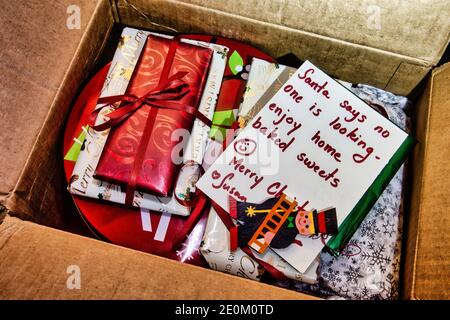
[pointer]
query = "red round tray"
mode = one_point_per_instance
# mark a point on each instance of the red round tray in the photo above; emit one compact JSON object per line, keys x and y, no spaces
{"x":130,"y":227}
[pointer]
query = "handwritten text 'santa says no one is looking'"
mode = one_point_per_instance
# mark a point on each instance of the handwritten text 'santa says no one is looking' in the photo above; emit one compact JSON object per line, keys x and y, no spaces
{"x":345,"y":125}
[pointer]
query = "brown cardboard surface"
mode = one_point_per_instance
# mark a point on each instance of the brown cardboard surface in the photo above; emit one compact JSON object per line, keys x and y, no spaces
{"x":36,"y":49}
{"x":34,"y":261}
{"x":427,"y":265}
{"x":41,"y":74}
{"x":332,"y":34}
{"x":418,"y":29}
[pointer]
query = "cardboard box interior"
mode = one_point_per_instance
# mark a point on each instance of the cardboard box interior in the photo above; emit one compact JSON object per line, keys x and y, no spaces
{"x":33,"y":258}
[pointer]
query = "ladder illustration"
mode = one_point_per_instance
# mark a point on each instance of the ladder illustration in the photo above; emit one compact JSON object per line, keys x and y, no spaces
{"x":272,"y":223}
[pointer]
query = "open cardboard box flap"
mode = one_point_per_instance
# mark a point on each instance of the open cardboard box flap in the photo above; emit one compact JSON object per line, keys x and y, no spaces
{"x":426,"y":273}
{"x":41,"y":73}
{"x":37,"y":262}
{"x":46,"y":64}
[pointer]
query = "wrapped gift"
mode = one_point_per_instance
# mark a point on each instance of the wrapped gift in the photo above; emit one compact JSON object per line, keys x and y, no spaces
{"x":84,"y":184}
{"x":139,"y":151}
{"x":194,"y":152}
{"x":264,"y":81}
{"x":262,"y":76}
{"x":216,"y":250}
{"x":239,"y":59}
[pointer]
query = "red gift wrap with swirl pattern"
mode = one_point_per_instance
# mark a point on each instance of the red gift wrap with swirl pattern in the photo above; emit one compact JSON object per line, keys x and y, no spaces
{"x":158,"y":169}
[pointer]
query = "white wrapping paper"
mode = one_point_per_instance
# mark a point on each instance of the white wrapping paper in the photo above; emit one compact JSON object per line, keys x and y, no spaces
{"x":126,"y":56}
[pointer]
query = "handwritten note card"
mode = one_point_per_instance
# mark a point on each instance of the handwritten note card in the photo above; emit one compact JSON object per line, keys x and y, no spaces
{"x":316,"y":142}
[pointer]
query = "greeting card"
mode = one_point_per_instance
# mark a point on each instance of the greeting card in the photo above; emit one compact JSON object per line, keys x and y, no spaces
{"x":318,"y":145}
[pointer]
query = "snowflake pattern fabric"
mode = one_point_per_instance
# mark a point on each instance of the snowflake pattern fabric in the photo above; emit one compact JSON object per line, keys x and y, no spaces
{"x":368,"y":268}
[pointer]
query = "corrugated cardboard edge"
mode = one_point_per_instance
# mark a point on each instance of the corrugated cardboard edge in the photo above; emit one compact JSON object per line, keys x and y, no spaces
{"x":345,"y":60}
{"x":38,"y":262}
{"x":412,"y":287}
{"x":348,"y":20}
{"x":411,"y":233}
{"x":34,"y":183}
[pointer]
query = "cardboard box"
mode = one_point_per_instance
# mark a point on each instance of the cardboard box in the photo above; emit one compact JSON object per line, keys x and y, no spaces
{"x":392,"y":45}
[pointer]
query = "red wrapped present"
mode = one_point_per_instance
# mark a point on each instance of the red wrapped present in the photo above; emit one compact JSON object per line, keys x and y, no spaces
{"x":165,"y":88}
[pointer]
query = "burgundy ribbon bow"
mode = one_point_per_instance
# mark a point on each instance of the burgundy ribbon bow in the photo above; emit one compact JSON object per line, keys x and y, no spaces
{"x":162,"y":96}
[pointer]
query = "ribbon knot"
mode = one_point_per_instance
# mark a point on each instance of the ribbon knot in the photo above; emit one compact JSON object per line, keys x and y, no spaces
{"x":164,"y":96}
